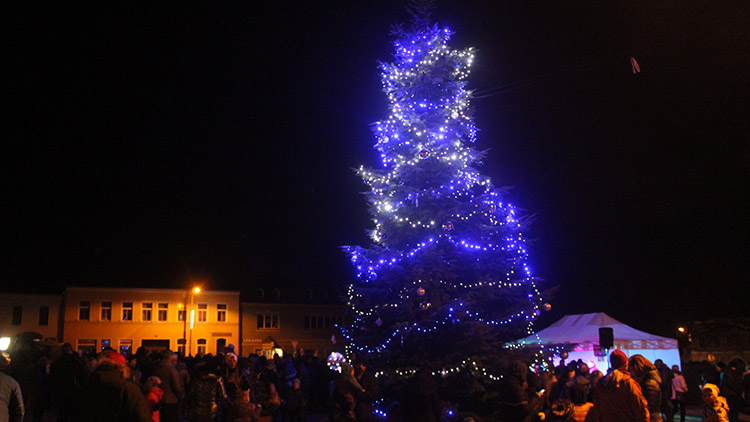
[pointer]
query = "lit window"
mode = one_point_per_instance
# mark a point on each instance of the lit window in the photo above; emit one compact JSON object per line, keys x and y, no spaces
{"x":221,"y":312}
{"x":106,"y":311}
{"x":84,"y":310}
{"x":106,"y":343}
{"x":181,"y":315}
{"x":126,"y":346}
{"x":127,"y":311}
{"x":146,"y":308}
{"x":163,"y":308}
{"x":202,"y":346}
{"x":202,"y":312}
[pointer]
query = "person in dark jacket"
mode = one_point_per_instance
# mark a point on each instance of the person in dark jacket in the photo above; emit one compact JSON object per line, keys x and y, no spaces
{"x":109,"y":396}
{"x":67,"y":376}
{"x":667,"y":408}
{"x":171,"y":383}
{"x":516,"y":404}
{"x":207,"y":396}
{"x":649,"y":379}
{"x":344,"y":388}
{"x":369,"y":392}
{"x":420,"y":401}
{"x":617,"y":396}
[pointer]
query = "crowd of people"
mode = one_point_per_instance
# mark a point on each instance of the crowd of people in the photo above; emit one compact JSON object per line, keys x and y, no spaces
{"x":634,"y":389}
{"x":166,"y":387}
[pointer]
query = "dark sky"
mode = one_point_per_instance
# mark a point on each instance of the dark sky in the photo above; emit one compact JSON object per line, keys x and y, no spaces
{"x":154,"y":144}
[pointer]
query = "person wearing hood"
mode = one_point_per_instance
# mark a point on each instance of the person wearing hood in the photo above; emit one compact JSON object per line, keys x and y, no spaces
{"x":649,"y":379}
{"x":617,"y":396}
{"x":716,"y":408}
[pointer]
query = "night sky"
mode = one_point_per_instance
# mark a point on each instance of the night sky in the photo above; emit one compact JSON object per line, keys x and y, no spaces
{"x":152,"y":145}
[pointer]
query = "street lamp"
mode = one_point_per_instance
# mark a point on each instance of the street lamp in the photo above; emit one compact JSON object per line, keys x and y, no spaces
{"x":189,"y":310}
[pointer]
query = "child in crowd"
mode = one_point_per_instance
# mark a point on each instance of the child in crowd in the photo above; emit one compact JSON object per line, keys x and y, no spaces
{"x":716,"y":408}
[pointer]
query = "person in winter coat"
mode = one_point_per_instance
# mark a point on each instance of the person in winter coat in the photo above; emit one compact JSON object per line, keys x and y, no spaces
{"x":516,"y":404}
{"x":67,"y":376}
{"x":207,"y":396}
{"x":344,"y":389}
{"x":109,"y":396}
{"x":649,"y":379}
{"x":716,"y":408}
{"x":420,"y":402}
{"x":295,"y":405}
{"x":369,"y":392}
{"x":153,"y":394}
{"x":617,"y":396}
{"x":171,"y":383}
{"x":11,"y":400}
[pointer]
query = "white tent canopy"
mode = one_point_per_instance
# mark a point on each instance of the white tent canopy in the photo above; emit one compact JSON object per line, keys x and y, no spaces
{"x":581,"y":334}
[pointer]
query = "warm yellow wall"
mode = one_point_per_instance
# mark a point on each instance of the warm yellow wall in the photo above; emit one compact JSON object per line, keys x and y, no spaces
{"x":138,"y":330}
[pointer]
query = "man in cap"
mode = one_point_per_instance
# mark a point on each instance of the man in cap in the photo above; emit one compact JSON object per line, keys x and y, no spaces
{"x":617,"y":396}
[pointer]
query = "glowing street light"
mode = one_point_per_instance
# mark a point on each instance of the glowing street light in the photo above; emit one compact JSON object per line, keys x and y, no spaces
{"x":681,"y":329}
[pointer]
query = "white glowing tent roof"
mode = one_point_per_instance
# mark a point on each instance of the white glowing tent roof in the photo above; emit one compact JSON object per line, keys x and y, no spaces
{"x":584,"y":329}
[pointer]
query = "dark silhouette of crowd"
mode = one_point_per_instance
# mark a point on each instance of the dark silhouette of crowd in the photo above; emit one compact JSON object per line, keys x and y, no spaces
{"x":167,"y":387}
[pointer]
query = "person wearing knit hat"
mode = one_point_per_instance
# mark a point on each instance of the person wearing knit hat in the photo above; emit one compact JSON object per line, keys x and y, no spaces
{"x":618,"y":360}
{"x":617,"y":396}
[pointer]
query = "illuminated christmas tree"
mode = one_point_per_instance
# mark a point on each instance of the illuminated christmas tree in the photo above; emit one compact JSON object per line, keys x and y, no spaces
{"x":446,"y":281}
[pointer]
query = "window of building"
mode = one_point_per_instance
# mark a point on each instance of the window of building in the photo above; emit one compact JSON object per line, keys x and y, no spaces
{"x":181,"y":346}
{"x":84,"y":310}
{"x":146,"y":308}
{"x":221,"y":312}
{"x":127,"y":311}
{"x":44,"y":315}
{"x":106,"y":343}
{"x":309,"y":294}
{"x":268,"y":322}
{"x":276,"y":293}
{"x":163,"y":309}
{"x":259,"y":293}
{"x":106,"y":311}
{"x":181,"y":315}
{"x":87,"y":345}
{"x":17,"y":315}
{"x":318,"y":322}
{"x":202,"y":346}
{"x":126,"y":346}
{"x":202,"y":312}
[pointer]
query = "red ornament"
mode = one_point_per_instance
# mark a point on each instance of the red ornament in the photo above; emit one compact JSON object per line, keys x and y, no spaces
{"x":424,"y":154}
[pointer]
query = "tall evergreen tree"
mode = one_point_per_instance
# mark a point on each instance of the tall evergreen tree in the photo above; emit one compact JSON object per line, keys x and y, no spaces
{"x":446,"y":281}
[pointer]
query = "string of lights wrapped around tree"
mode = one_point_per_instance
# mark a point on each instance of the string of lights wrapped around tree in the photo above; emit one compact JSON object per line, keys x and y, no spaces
{"x":449,"y":253}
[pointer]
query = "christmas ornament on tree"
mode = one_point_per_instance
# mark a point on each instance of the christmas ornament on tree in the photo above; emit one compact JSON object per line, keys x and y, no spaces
{"x":448,"y":226}
{"x":424,"y":154}
{"x":547,"y":307}
{"x":421,"y":291}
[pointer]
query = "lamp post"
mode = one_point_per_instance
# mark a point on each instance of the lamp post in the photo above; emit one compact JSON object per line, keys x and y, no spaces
{"x":191,"y":312}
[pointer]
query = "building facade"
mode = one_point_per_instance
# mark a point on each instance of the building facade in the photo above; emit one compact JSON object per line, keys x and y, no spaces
{"x":36,"y":315}
{"x":156,"y":319}
{"x":308,"y":328}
